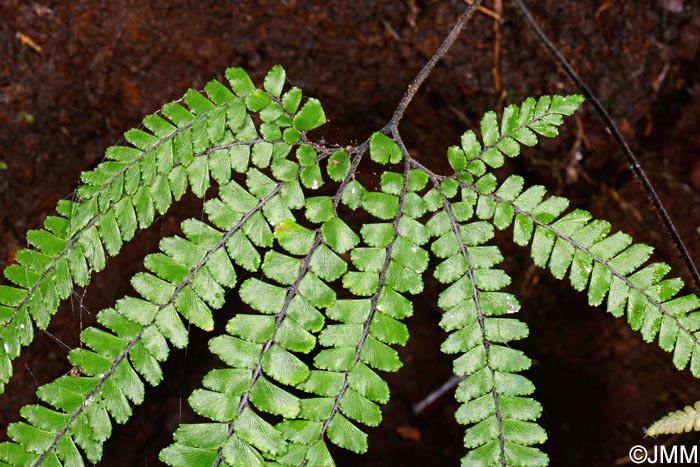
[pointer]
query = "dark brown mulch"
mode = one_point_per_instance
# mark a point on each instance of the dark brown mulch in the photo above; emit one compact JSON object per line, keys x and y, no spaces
{"x":74,"y":75}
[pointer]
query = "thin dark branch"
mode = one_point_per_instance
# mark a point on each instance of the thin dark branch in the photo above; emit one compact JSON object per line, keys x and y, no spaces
{"x":428,"y":67}
{"x":610,"y":125}
{"x":428,"y":400}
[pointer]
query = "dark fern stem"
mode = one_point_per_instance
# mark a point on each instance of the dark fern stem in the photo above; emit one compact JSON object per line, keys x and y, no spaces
{"x":603,"y":114}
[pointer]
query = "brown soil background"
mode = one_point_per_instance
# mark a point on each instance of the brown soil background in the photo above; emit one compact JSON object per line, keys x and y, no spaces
{"x":100,"y":66}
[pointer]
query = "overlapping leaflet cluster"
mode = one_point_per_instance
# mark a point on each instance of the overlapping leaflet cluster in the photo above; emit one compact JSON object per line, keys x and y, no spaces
{"x":324,"y":301}
{"x":608,"y":266}
{"x":476,"y":311}
{"x":476,"y":315}
{"x":215,"y":134}
{"x":386,"y":263}
{"x":300,"y":310}
{"x":180,"y":147}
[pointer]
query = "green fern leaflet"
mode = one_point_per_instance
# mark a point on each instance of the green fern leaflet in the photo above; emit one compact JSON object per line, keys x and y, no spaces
{"x":321,"y":310}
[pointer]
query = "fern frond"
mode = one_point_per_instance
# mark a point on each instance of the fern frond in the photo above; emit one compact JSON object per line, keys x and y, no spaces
{"x":518,"y":125}
{"x":606,"y":265}
{"x":327,"y":302}
{"x":260,"y":349}
{"x":344,"y":388}
{"x":476,"y":316}
{"x":677,"y":422}
{"x":260,"y":353}
{"x":188,"y":278}
{"x":609,"y":267}
{"x":185,"y":145}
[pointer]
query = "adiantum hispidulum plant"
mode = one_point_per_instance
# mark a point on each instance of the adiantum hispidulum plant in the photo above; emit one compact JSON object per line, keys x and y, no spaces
{"x":302,"y":363}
